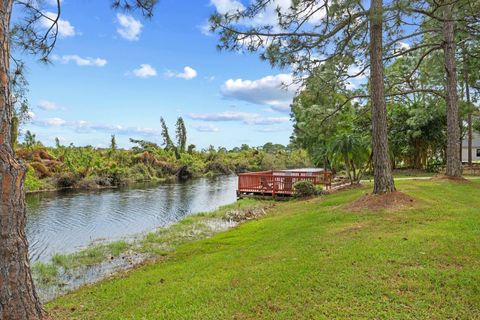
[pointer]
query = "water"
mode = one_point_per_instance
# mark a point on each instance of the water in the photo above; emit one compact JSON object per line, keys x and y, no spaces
{"x":65,"y":222}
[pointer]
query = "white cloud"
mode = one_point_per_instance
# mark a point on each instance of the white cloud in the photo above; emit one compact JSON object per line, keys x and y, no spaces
{"x":47,"y":105}
{"x":245,"y":117}
{"x":65,"y":28}
{"x":358,"y":71}
{"x":206,"y":128}
{"x":225,"y":6}
{"x":145,"y":71}
{"x":205,"y":29}
{"x":269,"y":91}
{"x":130,"y":28}
{"x":274,"y":129}
{"x":82,"y":126}
{"x":188,"y":73}
{"x":96,"y":62}
{"x":402,"y":46}
{"x":270,"y":120}
{"x":50,"y":122}
{"x":269,"y":16}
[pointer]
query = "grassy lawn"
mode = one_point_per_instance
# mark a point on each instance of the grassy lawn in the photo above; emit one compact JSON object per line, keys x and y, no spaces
{"x":313,"y":260}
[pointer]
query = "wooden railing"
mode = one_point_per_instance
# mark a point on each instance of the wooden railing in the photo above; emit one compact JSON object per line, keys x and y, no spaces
{"x":473,"y":170}
{"x":279,"y":182}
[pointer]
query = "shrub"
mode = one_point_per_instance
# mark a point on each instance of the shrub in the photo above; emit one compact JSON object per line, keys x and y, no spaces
{"x":164,"y":168}
{"x":141,"y":172}
{"x":41,"y":169}
{"x":320,"y":191}
{"x":118,"y":177}
{"x":32,"y":183}
{"x":434,"y":165}
{"x":89,"y":183}
{"x":66,"y":180}
{"x":302,"y":189}
{"x":217,"y":167}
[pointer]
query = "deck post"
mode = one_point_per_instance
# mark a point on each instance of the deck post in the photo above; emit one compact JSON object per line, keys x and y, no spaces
{"x":273,"y":186}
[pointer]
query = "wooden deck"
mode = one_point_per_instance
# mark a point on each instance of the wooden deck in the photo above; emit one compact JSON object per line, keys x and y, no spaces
{"x":278,"y":183}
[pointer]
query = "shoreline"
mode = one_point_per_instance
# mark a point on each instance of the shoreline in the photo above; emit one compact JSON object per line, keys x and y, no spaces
{"x":67,"y":272}
{"x":126,"y":184}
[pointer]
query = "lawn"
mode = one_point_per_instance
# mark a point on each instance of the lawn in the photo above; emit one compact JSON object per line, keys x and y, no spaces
{"x":313,"y":259}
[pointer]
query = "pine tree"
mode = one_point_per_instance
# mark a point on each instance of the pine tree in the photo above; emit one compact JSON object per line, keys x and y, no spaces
{"x":113,"y":143}
{"x":167,"y":141}
{"x":305,"y":35}
{"x":181,"y":132}
{"x":18,"y":298}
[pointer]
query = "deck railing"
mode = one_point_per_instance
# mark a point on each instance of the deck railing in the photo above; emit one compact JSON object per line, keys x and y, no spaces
{"x":279,"y":182}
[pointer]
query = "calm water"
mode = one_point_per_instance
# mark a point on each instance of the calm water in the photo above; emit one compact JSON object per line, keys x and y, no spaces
{"x":68,"y":221}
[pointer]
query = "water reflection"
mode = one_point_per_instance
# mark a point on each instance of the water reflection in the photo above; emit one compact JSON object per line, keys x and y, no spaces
{"x":65,"y":222}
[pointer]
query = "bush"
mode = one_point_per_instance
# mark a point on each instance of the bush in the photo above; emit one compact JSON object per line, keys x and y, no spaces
{"x":302,"y":189}
{"x":41,"y":170}
{"x":320,"y":191}
{"x":32,"y":183}
{"x":66,"y":180}
{"x":217,"y":167}
{"x":141,"y":172}
{"x":434,"y":165}
{"x":118,"y":177}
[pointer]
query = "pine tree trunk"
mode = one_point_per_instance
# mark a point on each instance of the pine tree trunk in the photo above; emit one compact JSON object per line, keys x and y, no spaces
{"x":18,"y":299}
{"x":470,"y":139}
{"x":382,"y":170}
{"x":469,"y":117}
{"x":453,"y":131}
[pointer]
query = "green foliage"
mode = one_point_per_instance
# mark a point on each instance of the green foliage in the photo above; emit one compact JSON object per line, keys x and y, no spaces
{"x":45,"y":273}
{"x":113,"y":143}
{"x":167,"y":141}
{"x":417,"y":122}
{"x":117,"y":247}
{"x":353,"y":151}
{"x":14,"y":131}
{"x":57,"y":143}
{"x":88,"y":167}
{"x":181,"y":132}
{"x":434,"y":165}
{"x":32,"y":183}
{"x":333,"y":138}
{"x":30,"y":140}
{"x":304,"y":189}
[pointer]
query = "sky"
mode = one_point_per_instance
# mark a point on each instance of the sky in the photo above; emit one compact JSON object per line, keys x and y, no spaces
{"x":117,"y":73}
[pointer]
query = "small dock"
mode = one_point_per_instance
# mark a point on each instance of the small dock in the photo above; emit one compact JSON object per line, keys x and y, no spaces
{"x":279,"y":183}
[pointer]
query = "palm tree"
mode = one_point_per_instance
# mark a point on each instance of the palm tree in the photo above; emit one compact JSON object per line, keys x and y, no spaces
{"x":354,"y":151}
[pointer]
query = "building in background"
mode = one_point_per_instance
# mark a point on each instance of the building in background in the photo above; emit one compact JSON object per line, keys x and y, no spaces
{"x":475,"y":148}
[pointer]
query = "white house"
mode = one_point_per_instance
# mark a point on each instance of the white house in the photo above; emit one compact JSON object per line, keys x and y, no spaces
{"x":475,"y":148}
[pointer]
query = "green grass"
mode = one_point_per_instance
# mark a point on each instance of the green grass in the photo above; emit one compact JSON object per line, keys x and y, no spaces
{"x":90,"y":256}
{"x":312,"y":260}
{"x":45,"y":273}
{"x":407,"y":173}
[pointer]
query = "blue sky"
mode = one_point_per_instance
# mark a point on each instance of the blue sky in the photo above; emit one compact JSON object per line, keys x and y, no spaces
{"x":118,"y":73}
